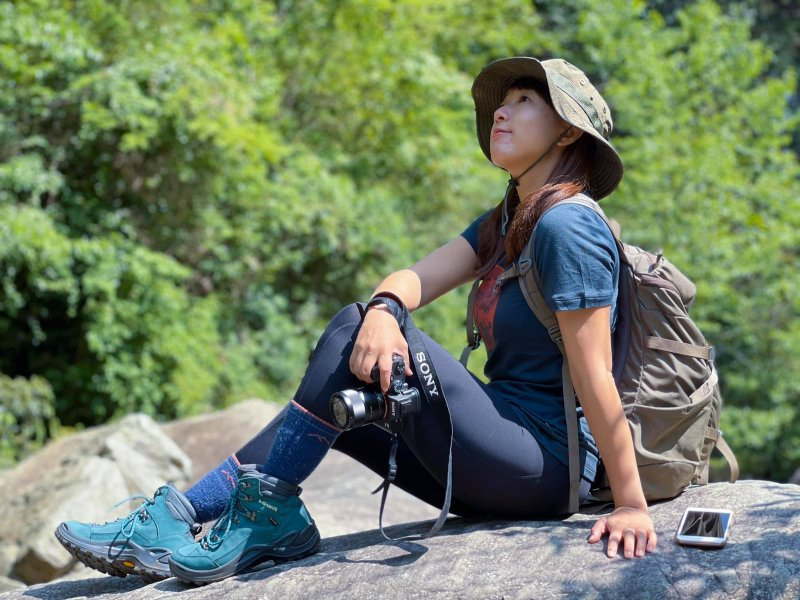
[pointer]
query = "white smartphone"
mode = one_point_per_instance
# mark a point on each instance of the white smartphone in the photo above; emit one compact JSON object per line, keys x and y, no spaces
{"x":707,"y":527}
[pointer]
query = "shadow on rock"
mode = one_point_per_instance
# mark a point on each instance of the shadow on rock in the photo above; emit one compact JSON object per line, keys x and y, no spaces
{"x":88,"y":588}
{"x":339,"y":549}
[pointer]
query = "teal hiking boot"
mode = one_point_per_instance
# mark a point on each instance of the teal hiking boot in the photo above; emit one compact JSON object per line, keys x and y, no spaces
{"x":264,"y":520}
{"x":139,"y":544}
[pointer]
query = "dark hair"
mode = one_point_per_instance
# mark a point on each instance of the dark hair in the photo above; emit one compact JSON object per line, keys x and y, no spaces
{"x":569,"y":177}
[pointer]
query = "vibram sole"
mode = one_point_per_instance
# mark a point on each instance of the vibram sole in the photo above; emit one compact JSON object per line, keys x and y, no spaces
{"x":117,"y":559}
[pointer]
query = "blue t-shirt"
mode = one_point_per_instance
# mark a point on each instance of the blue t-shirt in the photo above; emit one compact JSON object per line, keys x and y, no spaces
{"x":577,"y":260}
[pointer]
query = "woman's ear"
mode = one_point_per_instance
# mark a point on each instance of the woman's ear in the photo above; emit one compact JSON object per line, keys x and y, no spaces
{"x":569,"y":136}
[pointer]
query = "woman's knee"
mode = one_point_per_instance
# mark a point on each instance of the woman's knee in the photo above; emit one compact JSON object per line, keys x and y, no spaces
{"x":347,"y":319}
{"x":328,"y":370}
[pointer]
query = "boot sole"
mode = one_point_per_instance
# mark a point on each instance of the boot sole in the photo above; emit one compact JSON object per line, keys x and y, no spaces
{"x":253,"y":557}
{"x":123,"y":562}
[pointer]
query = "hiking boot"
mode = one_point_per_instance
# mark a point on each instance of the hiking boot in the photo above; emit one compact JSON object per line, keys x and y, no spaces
{"x":139,"y":544}
{"x":264,"y":520}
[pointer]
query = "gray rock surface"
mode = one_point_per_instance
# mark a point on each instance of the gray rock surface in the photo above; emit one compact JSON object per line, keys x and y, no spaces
{"x":79,"y":477}
{"x":7,"y":584}
{"x":209,"y":439}
{"x":469,"y":559}
{"x":530,"y":559}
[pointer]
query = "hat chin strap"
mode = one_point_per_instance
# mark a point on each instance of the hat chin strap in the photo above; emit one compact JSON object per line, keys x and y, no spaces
{"x":513,"y":182}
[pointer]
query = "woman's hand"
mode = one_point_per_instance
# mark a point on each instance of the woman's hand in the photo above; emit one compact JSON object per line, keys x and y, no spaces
{"x":378,"y":338}
{"x":631,"y":526}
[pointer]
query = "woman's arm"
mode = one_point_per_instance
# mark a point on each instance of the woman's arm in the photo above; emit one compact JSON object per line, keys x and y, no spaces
{"x":379,"y":337}
{"x":587,"y":343}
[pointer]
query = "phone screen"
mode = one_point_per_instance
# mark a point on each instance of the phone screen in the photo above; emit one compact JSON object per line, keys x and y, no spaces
{"x":704,"y":527}
{"x":705,"y":524}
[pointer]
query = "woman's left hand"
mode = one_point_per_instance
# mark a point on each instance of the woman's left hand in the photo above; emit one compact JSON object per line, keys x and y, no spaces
{"x":631,"y":526}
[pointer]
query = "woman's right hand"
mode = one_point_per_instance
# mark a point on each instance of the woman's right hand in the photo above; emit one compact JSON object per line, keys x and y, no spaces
{"x":378,"y":338}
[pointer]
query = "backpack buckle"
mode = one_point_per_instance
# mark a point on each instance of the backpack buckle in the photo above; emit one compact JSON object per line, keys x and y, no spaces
{"x":555,"y":333}
{"x":509,"y":273}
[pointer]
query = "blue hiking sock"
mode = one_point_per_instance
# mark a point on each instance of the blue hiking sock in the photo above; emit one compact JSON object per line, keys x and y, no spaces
{"x":210,"y":495}
{"x":300,"y":445}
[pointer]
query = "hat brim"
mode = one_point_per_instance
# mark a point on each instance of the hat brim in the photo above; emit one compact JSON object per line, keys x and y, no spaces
{"x":489,"y":90}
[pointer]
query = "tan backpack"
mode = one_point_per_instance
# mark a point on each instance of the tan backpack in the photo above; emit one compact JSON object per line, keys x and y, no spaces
{"x":662,"y":366}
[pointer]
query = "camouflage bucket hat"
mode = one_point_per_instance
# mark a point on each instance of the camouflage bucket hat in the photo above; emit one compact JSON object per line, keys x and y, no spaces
{"x":575,"y":100}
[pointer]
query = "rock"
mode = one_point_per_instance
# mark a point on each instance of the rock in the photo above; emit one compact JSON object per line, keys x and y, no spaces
{"x":210,"y":439}
{"x":8,"y":584}
{"x":524,"y":559}
{"x":79,"y":477}
{"x":547,"y":559}
{"x":795,"y":478}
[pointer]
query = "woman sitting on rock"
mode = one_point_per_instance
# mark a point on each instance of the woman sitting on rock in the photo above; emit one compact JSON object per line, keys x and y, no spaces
{"x":548,"y":127}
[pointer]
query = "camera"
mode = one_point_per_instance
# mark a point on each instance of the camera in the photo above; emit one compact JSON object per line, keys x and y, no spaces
{"x":361,"y":406}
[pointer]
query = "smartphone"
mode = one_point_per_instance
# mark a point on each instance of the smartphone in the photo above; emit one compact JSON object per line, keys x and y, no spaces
{"x":706,"y":527}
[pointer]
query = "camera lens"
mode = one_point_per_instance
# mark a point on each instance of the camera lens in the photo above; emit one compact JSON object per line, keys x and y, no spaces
{"x":340,"y":411}
{"x":353,"y":408}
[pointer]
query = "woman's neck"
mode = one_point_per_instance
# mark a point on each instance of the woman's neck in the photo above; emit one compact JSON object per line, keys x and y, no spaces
{"x":537,"y":177}
{"x":528,"y":184}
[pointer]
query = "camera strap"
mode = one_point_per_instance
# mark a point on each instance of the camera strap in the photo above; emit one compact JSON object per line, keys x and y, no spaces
{"x":434,"y":394}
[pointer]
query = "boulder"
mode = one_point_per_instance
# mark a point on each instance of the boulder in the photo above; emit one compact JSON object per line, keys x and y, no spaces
{"x":79,"y":477}
{"x":209,"y":439}
{"x":7,"y":584}
{"x":469,"y":559}
{"x":519,"y":559}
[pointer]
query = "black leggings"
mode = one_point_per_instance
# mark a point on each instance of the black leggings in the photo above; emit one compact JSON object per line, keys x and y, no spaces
{"x":499,"y":468}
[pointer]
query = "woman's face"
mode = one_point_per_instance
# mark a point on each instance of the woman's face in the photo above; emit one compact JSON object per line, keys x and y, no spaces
{"x":524,"y":128}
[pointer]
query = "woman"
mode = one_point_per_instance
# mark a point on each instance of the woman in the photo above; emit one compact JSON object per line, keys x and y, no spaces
{"x":547,"y":126}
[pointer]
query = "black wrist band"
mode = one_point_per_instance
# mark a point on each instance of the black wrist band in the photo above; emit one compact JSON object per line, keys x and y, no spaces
{"x":392,"y":302}
{"x":391,"y":296}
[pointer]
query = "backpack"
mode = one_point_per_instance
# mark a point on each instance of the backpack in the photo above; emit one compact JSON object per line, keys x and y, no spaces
{"x":662,"y":366}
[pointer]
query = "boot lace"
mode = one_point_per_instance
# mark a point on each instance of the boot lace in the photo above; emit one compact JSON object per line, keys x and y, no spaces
{"x":140,"y":515}
{"x":234,"y":511}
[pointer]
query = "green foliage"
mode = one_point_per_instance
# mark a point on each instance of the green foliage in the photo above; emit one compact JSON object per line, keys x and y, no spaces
{"x":770,"y":438}
{"x":27,"y":417}
{"x":108,"y":323}
{"x":190,"y":190}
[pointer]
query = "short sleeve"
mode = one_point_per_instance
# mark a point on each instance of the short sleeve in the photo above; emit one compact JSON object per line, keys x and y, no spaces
{"x":577,"y":259}
{"x":471,"y":233}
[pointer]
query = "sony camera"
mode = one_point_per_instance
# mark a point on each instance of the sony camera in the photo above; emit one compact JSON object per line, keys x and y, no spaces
{"x":361,"y":406}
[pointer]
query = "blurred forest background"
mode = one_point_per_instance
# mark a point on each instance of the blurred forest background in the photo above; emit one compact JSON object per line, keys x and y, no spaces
{"x":190,"y":189}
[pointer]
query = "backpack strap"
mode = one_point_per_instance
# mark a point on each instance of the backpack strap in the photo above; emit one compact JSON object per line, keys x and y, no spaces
{"x":473,"y":337}
{"x":721,"y":445}
{"x":676,"y":347}
{"x":530,"y":283}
